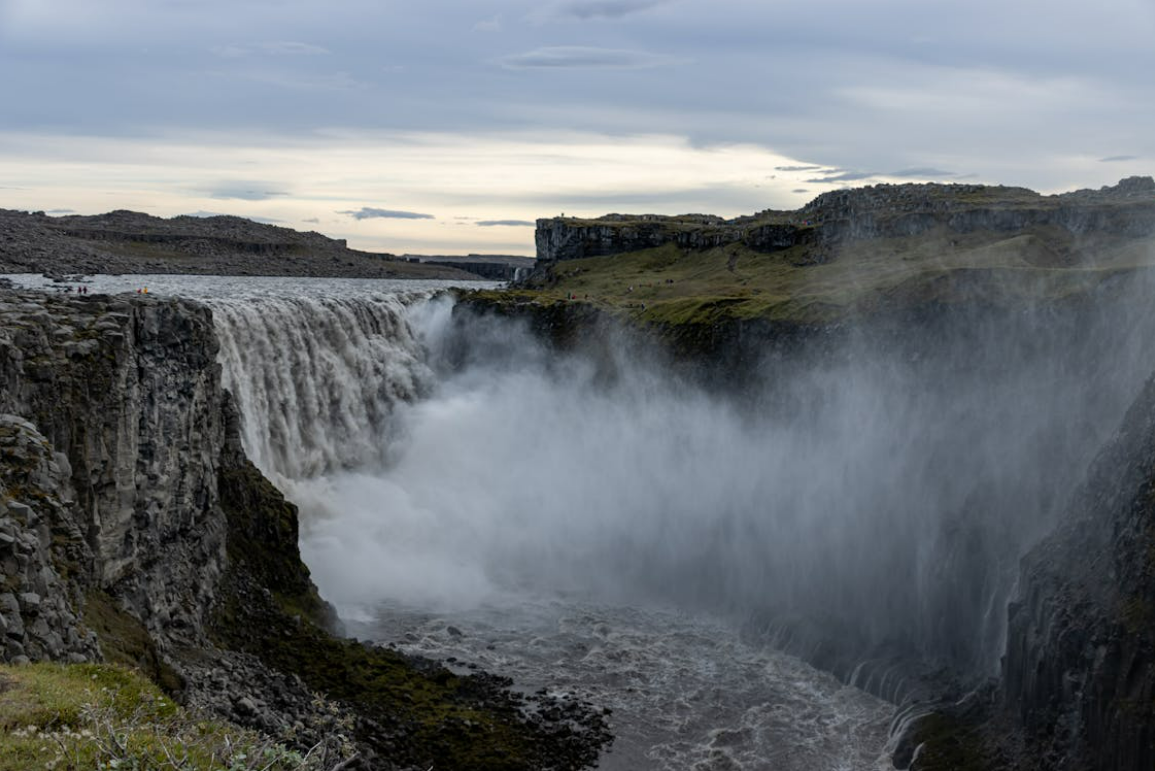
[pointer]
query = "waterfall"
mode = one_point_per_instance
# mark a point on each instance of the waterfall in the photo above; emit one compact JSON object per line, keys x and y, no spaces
{"x":316,"y":379}
{"x":880,"y":494}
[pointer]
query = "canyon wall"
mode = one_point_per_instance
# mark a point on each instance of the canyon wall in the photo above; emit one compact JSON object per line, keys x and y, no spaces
{"x":125,"y":398}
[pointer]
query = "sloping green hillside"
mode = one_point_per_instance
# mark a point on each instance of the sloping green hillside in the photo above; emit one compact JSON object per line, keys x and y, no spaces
{"x":669,"y":284}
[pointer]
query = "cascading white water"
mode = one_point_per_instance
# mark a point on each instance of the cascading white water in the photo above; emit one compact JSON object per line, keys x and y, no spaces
{"x":880,"y":493}
{"x":316,"y":379}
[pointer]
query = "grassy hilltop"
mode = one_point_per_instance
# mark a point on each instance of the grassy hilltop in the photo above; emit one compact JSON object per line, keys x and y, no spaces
{"x":850,"y":253}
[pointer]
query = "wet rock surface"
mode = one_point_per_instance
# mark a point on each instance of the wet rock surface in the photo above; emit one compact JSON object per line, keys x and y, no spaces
{"x":1077,"y":686}
{"x":1080,"y":665}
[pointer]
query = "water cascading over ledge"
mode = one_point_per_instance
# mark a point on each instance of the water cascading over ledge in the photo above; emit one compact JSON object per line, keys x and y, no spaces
{"x":316,"y":379}
{"x":879,"y":493}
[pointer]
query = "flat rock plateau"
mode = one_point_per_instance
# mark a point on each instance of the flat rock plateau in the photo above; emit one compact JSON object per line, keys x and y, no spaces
{"x":132,"y":242}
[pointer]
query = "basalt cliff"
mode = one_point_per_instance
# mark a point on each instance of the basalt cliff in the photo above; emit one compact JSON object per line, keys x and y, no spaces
{"x":134,"y":530}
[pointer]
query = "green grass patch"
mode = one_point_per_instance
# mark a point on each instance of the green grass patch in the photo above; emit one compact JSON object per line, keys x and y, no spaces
{"x":55,"y":717}
{"x":672,"y":285}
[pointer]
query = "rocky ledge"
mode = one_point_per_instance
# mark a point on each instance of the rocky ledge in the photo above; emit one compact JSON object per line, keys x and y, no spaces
{"x":134,"y":530}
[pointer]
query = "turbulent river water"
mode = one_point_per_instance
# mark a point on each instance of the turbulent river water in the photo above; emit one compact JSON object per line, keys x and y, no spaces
{"x":476,"y":517}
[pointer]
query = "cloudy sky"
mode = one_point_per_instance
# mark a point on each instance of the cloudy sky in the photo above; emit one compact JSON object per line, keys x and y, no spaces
{"x":450,"y":125}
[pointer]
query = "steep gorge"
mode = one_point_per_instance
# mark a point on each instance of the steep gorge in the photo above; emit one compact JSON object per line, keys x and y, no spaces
{"x":1074,"y":675}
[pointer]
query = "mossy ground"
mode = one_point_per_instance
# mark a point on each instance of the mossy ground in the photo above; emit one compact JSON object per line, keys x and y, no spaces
{"x":948,"y":745}
{"x":415,"y":716}
{"x":126,"y":642}
{"x":669,"y":285}
{"x":85,"y":717}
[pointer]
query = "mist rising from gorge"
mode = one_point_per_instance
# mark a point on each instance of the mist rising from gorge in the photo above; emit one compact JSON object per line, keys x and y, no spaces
{"x":885,"y":483}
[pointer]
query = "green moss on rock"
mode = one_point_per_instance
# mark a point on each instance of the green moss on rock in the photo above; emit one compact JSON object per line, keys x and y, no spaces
{"x":412,"y":712}
{"x":947,"y":744}
{"x":125,"y":641}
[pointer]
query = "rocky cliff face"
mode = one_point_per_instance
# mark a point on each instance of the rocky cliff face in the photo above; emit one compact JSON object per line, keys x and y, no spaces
{"x":127,"y":396}
{"x":882,"y":211}
{"x":560,"y":238}
{"x":39,"y":605}
{"x":1077,"y":687}
{"x":1079,"y":671}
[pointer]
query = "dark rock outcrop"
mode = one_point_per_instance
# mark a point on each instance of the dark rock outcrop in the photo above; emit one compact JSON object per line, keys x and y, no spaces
{"x":1079,"y":671}
{"x":562,"y":238}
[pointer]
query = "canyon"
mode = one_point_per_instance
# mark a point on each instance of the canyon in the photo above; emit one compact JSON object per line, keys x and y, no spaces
{"x":952,"y":509}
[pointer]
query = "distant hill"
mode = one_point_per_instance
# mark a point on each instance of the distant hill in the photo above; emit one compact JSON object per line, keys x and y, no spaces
{"x":132,"y":242}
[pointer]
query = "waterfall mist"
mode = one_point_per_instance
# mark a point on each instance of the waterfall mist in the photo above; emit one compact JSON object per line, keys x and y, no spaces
{"x":884,"y":487}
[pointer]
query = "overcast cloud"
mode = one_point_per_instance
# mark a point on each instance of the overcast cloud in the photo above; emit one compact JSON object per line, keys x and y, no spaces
{"x":369,"y":213}
{"x":1051,"y":95}
{"x":585,"y":57}
{"x":603,"y":9}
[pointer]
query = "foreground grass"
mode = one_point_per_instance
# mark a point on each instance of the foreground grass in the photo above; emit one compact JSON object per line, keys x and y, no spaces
{"x":57,"y":718}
